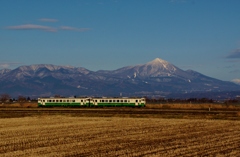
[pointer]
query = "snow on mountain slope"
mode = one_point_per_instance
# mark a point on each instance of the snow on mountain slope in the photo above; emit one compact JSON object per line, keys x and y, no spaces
{"x":155,"y":68}
{"x":43,"y":70}
{"x":4,"y":71}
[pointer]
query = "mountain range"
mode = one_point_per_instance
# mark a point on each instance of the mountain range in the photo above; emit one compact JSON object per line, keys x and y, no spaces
{"x":157,"y":78}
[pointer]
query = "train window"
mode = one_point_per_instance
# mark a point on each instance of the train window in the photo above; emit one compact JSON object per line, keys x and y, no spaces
{"x":60,"y":100}
{"x":56,"y":100}
{"x":43,"y":100}
{"x":110,"y":100}
{"x":106,"y":100}
{"x":50,"y":100}
{"x":73,"y":100}
{"x":95,"y":100}
{"x":121,"y":100}
{"x":136,"y":100}
{"x":125,"y":100}
{"x":81,"y":100}
{"x":117,"y":100}
{"x":67,"y":100}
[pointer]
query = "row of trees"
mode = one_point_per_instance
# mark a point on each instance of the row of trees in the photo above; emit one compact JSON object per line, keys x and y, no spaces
{"x":191,"y":100}
{"x":7,"y":98}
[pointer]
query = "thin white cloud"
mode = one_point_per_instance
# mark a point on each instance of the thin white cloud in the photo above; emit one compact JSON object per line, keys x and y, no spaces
{"x":235,"y":54}
{"x":47,"y":20}
{"x":74,"y":29}
{"x":237,"y":81}
{"x":46,"y":28}
{"x":7,"y":65}
{"x":4,"y":65}
{"x":32,"y":27}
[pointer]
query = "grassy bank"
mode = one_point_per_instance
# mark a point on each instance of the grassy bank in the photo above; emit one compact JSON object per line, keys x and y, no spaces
{"x":187,"y":106}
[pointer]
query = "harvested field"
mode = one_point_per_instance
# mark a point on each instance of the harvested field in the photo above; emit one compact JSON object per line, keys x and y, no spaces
{"x":58,"y":135}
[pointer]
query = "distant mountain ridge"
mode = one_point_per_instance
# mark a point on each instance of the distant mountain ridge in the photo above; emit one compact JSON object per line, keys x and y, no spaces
{"x":157,"y":78}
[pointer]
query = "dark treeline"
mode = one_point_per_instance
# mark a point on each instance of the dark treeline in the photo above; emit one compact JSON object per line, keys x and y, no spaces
{"x":191,"y":100}
{"x":7,"y":98}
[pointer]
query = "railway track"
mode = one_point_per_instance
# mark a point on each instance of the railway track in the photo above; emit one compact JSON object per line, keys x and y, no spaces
{"x":119,"y":112}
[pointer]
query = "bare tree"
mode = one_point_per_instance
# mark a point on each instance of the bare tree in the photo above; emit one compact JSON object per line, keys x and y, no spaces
{"x":21,"y":99}
{"x":4,"y":97}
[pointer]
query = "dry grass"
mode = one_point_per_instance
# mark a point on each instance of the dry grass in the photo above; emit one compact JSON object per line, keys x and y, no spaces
{"x":101,"y":136}
{"x":194,"y":106}
{"x":19,"y":105}
{"x":204,"y":106}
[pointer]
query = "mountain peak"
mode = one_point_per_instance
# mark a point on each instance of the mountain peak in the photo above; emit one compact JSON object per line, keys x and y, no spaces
{"x":157,"y":61}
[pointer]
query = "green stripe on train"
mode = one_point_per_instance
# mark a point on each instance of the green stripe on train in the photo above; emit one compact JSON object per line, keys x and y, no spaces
{"x":91,"y":105}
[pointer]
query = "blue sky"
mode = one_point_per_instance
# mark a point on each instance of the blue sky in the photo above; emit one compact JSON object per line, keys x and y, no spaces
{"x":202,"y":35}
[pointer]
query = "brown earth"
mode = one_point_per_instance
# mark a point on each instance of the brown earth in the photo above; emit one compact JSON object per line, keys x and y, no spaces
{"x":67,"y":135}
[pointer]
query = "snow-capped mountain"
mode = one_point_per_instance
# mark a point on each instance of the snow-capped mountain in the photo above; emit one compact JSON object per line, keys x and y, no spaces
{"x":44,"y":70}
{"x":155,"y":68}
{"x":157,"y":77}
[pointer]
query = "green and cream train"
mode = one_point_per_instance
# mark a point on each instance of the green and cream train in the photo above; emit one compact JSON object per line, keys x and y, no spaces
{"x":91,"y":102}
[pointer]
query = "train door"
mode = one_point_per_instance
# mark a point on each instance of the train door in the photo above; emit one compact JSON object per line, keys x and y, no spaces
{"x":136,"y":102}
{"x":95,"y":102}
{"x":43,"y":102}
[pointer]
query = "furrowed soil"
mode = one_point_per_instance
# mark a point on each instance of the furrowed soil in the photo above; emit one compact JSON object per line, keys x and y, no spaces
{"x":45,"y":133}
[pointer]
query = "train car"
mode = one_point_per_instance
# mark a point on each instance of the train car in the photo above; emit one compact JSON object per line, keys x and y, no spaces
{"x":119,"y":102}
{"x":91,"y":102}
{"x":65,"y":102}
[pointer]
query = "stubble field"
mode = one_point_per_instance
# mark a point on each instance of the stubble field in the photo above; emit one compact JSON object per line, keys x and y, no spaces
{"x":65,"y":135}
